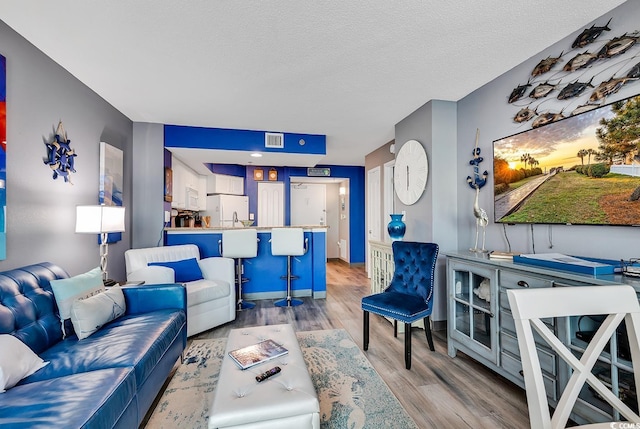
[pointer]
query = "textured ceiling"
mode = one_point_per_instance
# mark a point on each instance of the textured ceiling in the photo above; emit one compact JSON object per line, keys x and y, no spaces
{"x":347,"y":69}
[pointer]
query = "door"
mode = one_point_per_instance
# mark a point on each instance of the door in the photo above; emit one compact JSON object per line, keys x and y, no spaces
{"x":270,"y":204}
{"x":308,"y":204}
{"x":374,"y":224}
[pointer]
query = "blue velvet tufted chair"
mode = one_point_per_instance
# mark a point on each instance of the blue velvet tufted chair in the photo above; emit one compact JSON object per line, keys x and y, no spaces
{"x":409,"y":297}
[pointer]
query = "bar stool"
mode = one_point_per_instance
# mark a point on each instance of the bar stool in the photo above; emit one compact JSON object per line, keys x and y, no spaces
{"x":239,"y":244}
{"x":288,"y":242}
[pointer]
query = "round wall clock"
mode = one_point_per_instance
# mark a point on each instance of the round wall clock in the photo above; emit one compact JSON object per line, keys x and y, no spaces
{"x":410,"y":172}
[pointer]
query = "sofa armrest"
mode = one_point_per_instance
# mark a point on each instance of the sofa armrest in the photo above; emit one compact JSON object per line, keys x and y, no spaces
{"x":153,"y":275}
{"x":218,"y":268}
{"x":144,"y":299}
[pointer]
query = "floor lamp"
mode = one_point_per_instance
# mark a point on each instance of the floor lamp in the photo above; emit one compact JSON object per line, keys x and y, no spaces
{"x":100,"y":220}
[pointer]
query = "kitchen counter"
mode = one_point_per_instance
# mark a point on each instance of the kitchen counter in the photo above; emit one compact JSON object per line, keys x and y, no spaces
{"x":259,"y":228}
{"x":265,"y":270}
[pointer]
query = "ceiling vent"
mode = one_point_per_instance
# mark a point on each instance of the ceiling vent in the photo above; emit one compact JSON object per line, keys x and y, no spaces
{"x":274,"y":140}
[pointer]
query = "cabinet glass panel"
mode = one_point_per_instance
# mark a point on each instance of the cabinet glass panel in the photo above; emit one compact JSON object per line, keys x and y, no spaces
{"x":463,"y":321}
{"x":482,"y":327}
{"x":462,"y":285}
{"x":626,"y":390}
{"x":602,"y":371}
{"x":481,"y":295}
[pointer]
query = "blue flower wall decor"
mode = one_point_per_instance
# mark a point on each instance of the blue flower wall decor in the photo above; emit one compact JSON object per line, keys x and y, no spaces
{"x":60,"y":157}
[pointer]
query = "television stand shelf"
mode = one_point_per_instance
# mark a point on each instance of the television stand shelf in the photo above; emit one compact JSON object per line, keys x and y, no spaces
{"x":483,"y":328}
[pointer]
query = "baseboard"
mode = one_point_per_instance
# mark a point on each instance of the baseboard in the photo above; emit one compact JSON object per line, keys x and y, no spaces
{"x":439,"y":325}
{"x":256,"y":296}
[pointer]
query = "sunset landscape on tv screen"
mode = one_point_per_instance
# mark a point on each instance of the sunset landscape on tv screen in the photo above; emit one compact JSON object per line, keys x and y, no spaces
{"x":583,"y":170}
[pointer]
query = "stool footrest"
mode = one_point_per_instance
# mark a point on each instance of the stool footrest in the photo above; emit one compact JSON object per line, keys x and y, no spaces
{"x":288,"y":302}
{"x":244,"y":305}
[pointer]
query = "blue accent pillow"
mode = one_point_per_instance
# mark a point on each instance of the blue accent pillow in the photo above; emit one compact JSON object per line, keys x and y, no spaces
{"x":186,"y":270}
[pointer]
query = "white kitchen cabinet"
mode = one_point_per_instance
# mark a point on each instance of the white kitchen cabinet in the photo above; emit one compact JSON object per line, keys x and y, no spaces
{"x":202,"y":192}
{"x":225,"y":184}
{"x":178,"y":186}
{"x":187,"y":182}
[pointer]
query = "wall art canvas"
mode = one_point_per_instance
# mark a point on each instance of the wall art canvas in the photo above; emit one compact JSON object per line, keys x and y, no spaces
{"x":3,"y":157}
{"x":111,"y":180}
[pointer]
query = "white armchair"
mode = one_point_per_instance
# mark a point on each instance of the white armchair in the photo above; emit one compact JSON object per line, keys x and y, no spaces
{"x":210,"y":301}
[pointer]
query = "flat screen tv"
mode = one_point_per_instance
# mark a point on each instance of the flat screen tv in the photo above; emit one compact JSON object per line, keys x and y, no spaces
{"x":582,"y":170}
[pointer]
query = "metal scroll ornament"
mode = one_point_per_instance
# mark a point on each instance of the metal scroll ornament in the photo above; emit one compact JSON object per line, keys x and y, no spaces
{"x":60,"y":157}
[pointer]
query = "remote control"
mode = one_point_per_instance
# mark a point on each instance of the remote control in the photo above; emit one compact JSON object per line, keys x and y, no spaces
{"x":267,"y":374}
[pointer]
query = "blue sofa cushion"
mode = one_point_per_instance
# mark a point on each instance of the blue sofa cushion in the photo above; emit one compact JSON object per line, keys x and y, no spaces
{"x":104,"y":400}
{"x":186,"y":270}
{"x":400,"y":306}
{"x":27,"y":307}
{"x":139,"y":341}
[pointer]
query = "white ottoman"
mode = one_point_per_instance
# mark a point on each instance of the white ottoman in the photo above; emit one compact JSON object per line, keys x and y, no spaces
{"x":286,"y":400}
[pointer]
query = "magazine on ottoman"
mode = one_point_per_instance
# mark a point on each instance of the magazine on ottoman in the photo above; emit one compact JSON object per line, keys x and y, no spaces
{"x":255,"y":354}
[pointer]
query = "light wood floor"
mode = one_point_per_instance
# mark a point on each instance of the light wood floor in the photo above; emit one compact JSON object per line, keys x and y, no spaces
{"x":438,"y":391}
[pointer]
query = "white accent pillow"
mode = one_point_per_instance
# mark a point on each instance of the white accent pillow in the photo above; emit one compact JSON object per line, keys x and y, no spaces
{"x":17,"y":361}
{"x":68,"y":290}
{"x":90,"y":314}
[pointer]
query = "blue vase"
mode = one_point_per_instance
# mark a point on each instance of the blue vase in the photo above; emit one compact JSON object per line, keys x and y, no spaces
{"x":396,"y":227}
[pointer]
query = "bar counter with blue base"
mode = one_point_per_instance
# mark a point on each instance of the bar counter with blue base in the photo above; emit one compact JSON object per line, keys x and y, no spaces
{"x":265,"y":270}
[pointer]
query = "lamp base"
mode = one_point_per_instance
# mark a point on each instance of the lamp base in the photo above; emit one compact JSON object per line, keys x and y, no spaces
{"x":109,"y":282}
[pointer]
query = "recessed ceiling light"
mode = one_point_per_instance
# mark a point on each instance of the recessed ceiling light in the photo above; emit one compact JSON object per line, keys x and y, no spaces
{"x":256,"y":155}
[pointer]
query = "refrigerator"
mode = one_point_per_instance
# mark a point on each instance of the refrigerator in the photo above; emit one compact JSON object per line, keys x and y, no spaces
{"x":221,"y":208}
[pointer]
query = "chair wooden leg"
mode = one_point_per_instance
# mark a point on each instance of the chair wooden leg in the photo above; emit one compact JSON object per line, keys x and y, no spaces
{"x":427,"y":331}
{"x":395,"y":329}
{"x":365,"y":331}
{"x":407,"y":345}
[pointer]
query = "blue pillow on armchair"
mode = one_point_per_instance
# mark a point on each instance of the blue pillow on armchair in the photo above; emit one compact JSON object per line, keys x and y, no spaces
{"x":186,"y":270}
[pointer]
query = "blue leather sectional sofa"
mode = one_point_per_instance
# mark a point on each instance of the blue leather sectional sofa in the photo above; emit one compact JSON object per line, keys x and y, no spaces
{"x":108,"y":380}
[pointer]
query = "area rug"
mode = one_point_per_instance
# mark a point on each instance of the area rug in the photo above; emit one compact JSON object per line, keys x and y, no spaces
{"x":351,"y":393}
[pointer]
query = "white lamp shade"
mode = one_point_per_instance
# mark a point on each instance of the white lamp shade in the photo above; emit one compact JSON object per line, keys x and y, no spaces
{"x":99,"y":219}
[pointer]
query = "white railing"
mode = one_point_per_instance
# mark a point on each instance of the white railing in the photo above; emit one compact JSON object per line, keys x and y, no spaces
{"x":627,"y":170}
{"x":382,"y":266}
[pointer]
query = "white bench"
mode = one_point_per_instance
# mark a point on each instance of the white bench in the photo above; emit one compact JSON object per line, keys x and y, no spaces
{"x":285,"y":400}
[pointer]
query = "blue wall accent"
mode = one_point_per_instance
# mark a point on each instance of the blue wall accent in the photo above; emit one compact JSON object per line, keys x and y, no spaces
{"x":245,"y":140}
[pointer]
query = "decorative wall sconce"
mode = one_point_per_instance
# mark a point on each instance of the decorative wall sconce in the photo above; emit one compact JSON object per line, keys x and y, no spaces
{"x":60,"y":156}
{"x":258,"y":174}
{"x":273,"y":174}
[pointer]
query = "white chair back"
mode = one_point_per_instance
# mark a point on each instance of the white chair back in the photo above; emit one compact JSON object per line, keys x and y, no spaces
{"x":529,"y":306}
{"x":287,"y":242}
{"x":240,"y":243}
{"x":136,"y":259}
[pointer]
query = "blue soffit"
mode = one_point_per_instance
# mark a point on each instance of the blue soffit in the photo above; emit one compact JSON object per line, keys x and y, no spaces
{"x":198,"y":147}
{"x":178,"y":136}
